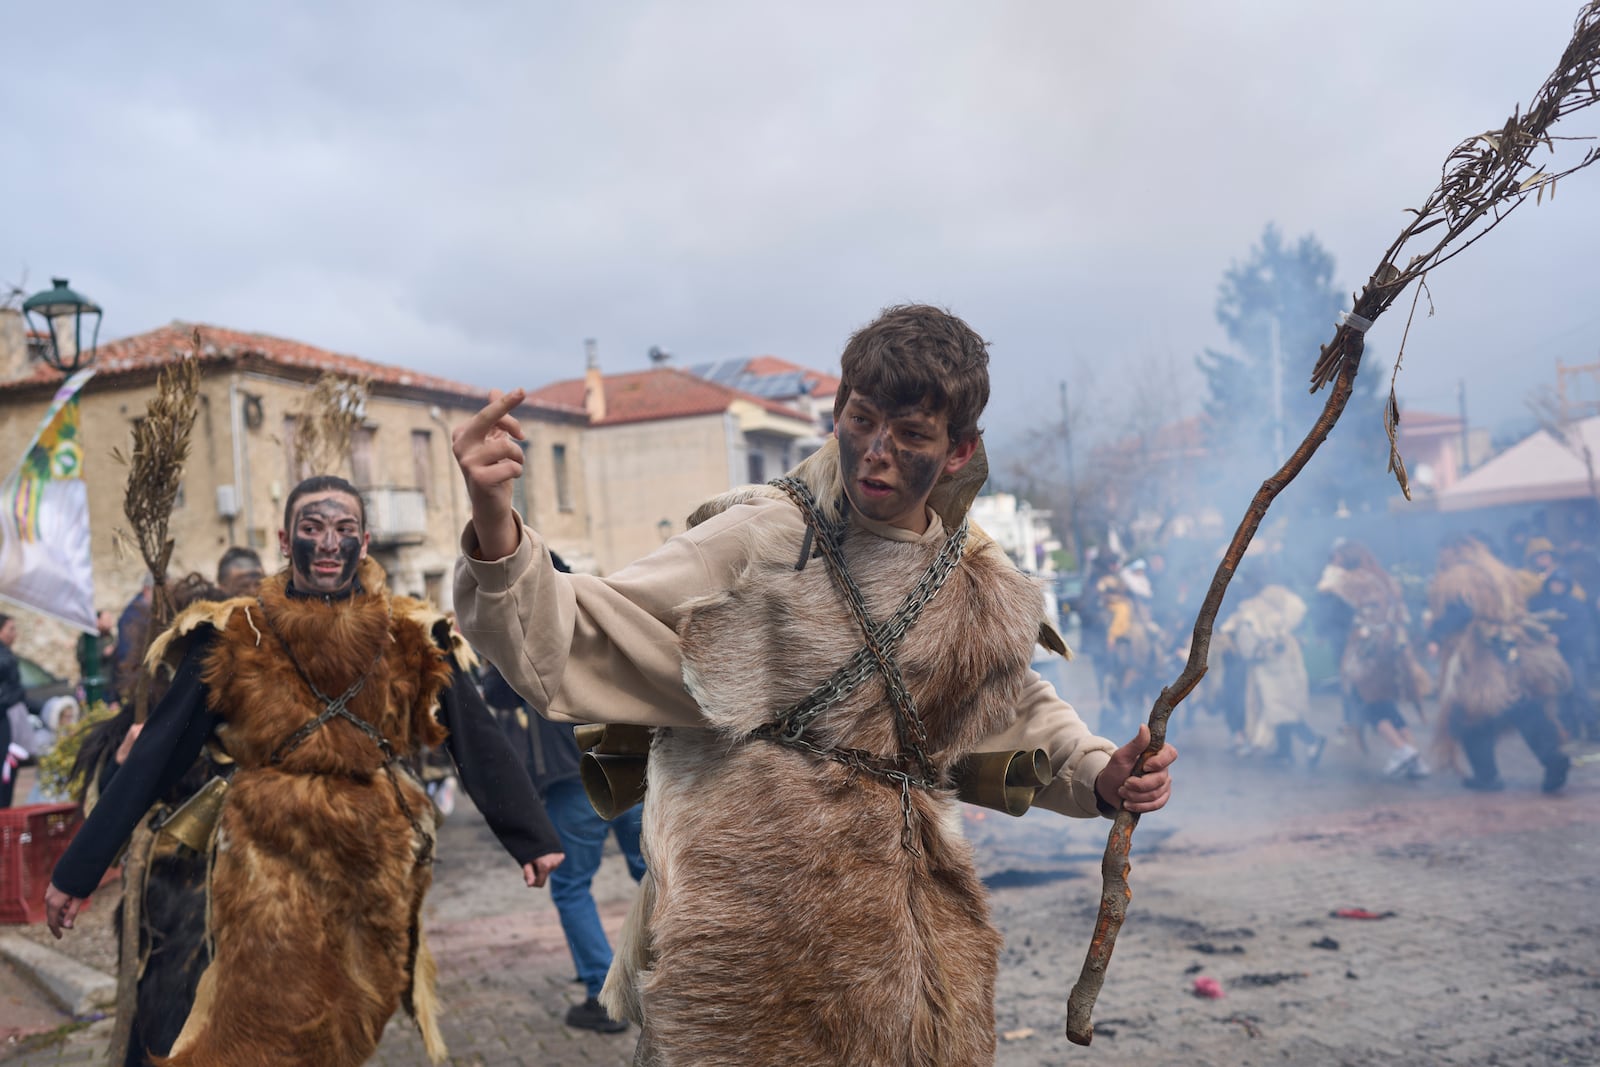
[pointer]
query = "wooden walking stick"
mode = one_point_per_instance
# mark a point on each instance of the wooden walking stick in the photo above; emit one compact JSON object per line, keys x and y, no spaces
{"x":1484,"y":179}
{"x":155,"y":470}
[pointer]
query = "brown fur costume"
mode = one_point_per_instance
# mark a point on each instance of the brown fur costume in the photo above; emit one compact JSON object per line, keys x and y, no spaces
{"x":782,"y":921}
{"x":1378,"y":664}
{"x":1505,"y":655}
{"x":315,"y":887}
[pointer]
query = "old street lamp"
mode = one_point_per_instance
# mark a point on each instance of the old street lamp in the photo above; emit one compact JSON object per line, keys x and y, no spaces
{"x":71,"y":322}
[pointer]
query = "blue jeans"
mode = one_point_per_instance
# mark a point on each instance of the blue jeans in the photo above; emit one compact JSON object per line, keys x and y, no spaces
{"x":583,"y":838}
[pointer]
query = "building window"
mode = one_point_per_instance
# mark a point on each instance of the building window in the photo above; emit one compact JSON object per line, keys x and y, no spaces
{"x":558,"y":456}
{"x":519,"y":488}
{"x":758,"y":468}
{"x":362,"y":470}
{"x":422,"y":464}
{"x":433,"y":588}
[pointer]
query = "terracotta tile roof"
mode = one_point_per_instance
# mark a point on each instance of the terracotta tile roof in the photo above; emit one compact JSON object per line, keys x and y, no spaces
{"x":159,"y":347}
{"x":658,"y":393}
{"x":822,"y":384}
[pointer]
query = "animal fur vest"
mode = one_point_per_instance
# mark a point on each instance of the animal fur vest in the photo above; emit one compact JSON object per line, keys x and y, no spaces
{"x":1378,"y":664}
{"x":315,"y":882}
{"x":1505,"y":655}
{"x":783,"y":921}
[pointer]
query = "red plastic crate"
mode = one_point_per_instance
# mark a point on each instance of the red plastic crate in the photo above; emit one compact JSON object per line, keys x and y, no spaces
{"x":32,"y":839}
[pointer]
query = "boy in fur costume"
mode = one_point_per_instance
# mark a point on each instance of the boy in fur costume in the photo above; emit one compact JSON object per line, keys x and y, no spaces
{"x":815,"y":655}
{"x":318,"y":688}
{"x":1502,"y":668}
{"x":1377,"y":670}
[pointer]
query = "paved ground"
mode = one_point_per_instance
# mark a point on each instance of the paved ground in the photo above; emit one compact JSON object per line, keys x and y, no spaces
{"x":1491,"y":955}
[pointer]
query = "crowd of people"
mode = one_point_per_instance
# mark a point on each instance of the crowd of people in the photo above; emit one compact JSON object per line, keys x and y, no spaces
{"x":1436,"y":672}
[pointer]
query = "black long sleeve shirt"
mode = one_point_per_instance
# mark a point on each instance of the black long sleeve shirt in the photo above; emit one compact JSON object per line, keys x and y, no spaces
{"x":11,"y":691}
{"x":180,"y":724}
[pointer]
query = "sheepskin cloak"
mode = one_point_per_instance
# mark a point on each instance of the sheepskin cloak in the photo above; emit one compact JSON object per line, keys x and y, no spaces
{"x":1378,"y":664}
{"x":1277,"y":688}
{"x":783,"y":921}
{"x":315,"y":887}
{"x":1505,"y":656}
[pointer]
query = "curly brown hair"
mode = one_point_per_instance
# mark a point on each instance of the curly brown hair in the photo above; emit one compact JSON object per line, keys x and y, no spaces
{"x":917,"y":355}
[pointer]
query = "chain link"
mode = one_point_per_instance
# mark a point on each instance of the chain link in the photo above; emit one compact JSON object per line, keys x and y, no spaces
{"x":337,"y":707}
{"x":876,"y":656}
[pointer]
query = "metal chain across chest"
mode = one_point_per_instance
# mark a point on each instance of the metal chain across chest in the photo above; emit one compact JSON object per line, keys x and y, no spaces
{"x":339,"y":708}
{"x":912,"y":766}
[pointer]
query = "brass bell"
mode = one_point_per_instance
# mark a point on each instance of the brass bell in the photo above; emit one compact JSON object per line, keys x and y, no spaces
{"x":614,"y":783}
{"x":1003,"y":781}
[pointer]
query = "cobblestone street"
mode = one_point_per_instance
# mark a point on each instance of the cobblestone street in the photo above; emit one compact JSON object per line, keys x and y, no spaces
{"x":1487,"y":953}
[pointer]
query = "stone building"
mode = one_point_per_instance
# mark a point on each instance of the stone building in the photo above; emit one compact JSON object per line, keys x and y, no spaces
{"x":242,"y":463}
{"x":664,"y":440}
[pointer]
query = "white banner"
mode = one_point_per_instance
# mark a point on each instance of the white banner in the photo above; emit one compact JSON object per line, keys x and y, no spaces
{"x":44,"y":519}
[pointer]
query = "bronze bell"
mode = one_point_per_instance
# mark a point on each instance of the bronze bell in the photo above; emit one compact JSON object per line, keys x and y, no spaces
{"x":1003,"y":781}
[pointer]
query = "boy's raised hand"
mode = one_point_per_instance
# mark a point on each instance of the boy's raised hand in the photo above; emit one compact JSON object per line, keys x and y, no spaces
{"x":487,"y":451}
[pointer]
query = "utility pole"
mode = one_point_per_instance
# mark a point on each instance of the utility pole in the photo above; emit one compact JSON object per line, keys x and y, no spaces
{"x":1072,"y":480}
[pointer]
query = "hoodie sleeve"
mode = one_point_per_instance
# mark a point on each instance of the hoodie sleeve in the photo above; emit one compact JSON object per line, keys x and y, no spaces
{"x":1077,"y":756}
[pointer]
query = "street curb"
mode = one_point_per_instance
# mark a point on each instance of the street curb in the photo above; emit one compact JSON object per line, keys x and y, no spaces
{"x":79,"y":989}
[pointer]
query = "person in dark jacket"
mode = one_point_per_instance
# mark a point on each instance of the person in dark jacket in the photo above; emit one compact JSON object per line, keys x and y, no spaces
{"x":322,"y":851}
{"x":11,"y":696}
{"x":1567,"y":616}
{"x":551,"y":755}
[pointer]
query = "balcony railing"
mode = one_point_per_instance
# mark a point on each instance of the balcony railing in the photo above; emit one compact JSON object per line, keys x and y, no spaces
{"x":396,"y":516}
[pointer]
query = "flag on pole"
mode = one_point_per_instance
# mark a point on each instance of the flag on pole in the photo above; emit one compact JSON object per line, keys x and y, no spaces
{"x":44,"y":519}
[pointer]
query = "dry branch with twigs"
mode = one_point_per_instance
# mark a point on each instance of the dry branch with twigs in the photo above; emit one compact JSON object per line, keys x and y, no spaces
{"x":1485,"y":178}
{"x":326,"y":422}
{"x":155,"y":474}
{"x":155,"y":470}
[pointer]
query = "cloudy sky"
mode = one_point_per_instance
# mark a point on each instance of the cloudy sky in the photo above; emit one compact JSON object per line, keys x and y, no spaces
{"x":473,"y":189}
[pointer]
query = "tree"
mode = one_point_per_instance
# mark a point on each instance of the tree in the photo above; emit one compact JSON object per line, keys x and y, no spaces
{"x":1136,"y":456}
{"x":1276,"y":307}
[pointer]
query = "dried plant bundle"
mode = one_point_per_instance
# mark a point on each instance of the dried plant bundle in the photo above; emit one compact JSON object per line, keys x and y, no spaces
{"x":326,"y":422}
{"x":155,"y":470}
{"x":1485,"y":178}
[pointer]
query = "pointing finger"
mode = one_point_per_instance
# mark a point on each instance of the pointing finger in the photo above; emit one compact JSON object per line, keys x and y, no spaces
{"x":497,"y":413}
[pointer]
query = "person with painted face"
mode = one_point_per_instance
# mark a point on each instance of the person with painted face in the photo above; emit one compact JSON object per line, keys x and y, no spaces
{"x":816,"y":655}
{"x":317,"y":688}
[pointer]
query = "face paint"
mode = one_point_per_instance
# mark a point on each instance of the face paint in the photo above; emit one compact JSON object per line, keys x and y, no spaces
{"x":325,"y":547}
{"x":891,"y":460}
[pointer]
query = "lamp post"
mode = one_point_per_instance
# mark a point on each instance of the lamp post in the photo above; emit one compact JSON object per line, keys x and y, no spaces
{"x":64,"y":313}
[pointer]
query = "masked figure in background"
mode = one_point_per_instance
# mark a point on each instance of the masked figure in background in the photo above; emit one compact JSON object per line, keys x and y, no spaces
{"x":318,"y":689}
{"x":1132,"y":645}
{"x":1277,"y":689}
{"x":1377,"y":671}
{"x":1570,"y":619}
{"x":1502,"y":668}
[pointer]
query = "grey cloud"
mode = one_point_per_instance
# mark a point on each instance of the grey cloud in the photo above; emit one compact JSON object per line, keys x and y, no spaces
{"x":474,"y":189}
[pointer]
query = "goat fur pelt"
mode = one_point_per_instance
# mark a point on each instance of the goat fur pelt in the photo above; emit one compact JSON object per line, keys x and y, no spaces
{"x":1505,"y":655}
{"x":783,"y":921}
{"x":315,"y":887}
{"x":1378,"y":664}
